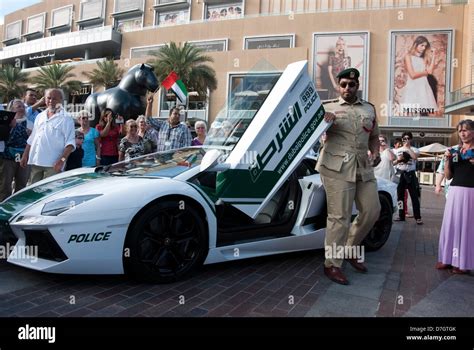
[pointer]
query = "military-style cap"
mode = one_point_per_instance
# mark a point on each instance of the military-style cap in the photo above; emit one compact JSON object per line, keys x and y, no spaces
{"x":349,"y":73}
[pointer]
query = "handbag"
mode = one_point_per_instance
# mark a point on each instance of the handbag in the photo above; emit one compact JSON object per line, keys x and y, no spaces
{"x":396,"y":177}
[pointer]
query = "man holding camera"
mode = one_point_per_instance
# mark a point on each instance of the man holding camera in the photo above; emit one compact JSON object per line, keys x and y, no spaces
{"x":405,"y":164}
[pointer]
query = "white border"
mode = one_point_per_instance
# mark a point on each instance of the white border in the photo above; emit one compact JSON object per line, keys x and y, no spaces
{"x":291,"y":35}
{"x":104,"y":3}
{"x":9,"y":24}
{"x":71,"y":14}
{"x":142,"y":47}
{"x":37,"y":15}
{"x":155,"y":11}
{"x":365,"y":92}
{"x":449,"y":67}
{"x":226,"y":43}
{"x":115,"y":19}
{"x":206,"y":5}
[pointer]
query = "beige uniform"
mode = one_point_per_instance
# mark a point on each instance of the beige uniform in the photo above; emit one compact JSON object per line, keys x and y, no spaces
{"x":348,"y":176}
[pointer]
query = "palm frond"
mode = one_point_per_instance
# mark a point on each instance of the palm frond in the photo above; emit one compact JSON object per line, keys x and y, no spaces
{"x":107,"y":74}
{"x":56,"y":76}
{"x":12,"y":83}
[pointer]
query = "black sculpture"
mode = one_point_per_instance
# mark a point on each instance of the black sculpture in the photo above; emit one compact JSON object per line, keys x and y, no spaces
{"x":128,"y":98}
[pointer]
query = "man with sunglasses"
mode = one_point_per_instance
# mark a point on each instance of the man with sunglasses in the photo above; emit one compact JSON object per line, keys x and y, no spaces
{"x":347,"y":175}
{"x":405,"y":164}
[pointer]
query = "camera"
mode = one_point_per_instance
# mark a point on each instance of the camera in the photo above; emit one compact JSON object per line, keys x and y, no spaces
{"x":405,"y":157}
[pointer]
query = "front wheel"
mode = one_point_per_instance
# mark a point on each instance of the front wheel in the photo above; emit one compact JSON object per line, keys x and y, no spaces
{"x":382,"y":227}
{"x":167,"y":243}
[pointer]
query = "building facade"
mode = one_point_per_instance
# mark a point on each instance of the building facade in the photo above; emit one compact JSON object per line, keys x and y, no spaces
{"x":251,"y":43}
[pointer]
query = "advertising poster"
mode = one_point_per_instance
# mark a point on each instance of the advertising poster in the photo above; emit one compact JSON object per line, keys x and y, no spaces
{"x":420,"y":72}
{"x":334,"y":52}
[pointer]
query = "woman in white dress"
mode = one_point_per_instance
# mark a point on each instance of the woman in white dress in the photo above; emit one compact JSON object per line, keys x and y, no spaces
{"x":385,"y":168}
{"x":417,"y":96}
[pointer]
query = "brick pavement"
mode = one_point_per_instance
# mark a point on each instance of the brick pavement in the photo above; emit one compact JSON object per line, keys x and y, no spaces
{"x":400,"y":275}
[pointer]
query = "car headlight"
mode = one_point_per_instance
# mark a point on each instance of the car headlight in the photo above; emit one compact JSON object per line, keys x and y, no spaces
{"x":58,"y":206}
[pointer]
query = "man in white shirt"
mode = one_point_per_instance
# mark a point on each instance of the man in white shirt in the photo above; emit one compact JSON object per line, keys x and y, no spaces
{"x":406,"y":164}
{"x":52,"y":139}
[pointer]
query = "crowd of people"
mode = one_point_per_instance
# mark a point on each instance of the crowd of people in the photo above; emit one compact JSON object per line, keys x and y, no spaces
{"x":44,"y":139}
{"x":353,"y":143}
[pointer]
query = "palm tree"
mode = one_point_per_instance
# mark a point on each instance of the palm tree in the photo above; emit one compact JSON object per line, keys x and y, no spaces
{"x":189,"y":63}
{"x":55,"y":76}
{"x":12,"y":83}
{"x":108,"y":74}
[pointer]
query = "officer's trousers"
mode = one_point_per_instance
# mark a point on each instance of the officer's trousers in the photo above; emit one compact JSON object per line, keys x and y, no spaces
{"x":340,"y":233}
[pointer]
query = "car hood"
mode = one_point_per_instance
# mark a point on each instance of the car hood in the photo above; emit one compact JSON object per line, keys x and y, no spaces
{"x":74,"y":185}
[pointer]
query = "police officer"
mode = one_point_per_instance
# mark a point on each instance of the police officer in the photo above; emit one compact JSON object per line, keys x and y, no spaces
{"x":347,"y":175}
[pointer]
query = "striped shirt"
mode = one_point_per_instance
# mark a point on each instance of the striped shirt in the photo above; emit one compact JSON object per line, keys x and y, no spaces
{"x":171,"y":137}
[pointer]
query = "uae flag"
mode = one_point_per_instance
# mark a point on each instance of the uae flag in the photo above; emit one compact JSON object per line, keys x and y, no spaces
{"x":172,"y":82}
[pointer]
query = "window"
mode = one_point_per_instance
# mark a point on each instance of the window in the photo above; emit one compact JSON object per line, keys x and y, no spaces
{"x":13,"y":32}
{"x":248,"y":91}
{"x":168,"y":2}
{"x":128,"y":5}
{"x":269,"y":42}
{"x":138,"y":52}
{"x":195,"y":103}
{"x":129,"y":24}
{"x":211,"y":45}
{"x":61,"y":17}
{"x":224,"y":11}
{"x":172,"y":17}
{"x":35,"y":24}
{"x":91,"y":13}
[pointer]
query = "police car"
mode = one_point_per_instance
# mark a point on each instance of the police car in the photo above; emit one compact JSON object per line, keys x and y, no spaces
{"x":249,"y":191}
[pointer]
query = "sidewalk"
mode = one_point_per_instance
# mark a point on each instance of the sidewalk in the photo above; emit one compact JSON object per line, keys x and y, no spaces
{"x":401,"y":281}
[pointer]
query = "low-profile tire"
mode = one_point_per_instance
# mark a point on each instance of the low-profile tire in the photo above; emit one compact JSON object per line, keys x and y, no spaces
{"x":167,"y":243}
{"x":382,"y":227}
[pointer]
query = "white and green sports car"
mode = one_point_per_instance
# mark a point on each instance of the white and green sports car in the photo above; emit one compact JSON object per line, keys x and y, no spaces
{"x":250,"y":191}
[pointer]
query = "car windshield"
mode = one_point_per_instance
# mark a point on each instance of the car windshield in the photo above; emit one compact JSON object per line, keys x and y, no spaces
{"x":163,"y":164}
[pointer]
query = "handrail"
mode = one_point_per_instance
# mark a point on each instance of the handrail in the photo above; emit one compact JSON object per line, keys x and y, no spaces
{"x":462,"y":94}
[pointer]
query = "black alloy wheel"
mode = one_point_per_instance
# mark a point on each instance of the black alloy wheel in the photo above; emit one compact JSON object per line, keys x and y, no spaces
{"x":167,"y":242}
{"x":379,"y":234}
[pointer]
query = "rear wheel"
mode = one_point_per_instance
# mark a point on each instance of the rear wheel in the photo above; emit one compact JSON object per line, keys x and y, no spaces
{"x":167,"y":242}
{"x":381,"y":230}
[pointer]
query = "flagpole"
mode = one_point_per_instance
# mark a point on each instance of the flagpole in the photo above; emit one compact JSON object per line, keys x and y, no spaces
{"x":186,"y":111}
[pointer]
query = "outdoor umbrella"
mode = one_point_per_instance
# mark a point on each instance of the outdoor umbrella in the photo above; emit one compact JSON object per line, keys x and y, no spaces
{"x":433,"y":148}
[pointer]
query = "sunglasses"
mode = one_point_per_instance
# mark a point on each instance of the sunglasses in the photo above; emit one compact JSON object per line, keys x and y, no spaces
{"x":382,"y":141}
{"x":344,"y":84}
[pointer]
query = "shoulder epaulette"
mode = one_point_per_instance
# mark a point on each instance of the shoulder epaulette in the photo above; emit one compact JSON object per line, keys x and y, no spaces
{"x":329,"y":101}
{"x":368,"y":102}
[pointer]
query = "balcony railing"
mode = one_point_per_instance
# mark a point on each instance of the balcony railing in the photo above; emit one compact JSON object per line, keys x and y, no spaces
{"x":463,"y":94}
{"x":51,"y":43}
{"x":422,"y":122}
